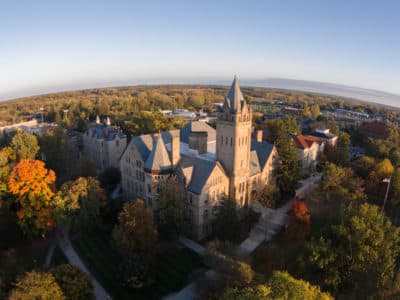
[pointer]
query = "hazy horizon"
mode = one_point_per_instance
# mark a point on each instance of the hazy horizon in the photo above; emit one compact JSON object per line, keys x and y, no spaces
{"x":340,"y":90}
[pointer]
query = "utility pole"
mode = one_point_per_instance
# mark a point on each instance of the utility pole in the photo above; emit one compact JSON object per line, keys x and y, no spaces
{"x":388,"y":180}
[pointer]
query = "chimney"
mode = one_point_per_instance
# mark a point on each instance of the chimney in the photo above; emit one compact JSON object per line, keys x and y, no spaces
{"x":198,"y":141}
{"x":175,"y":147}
{"x":259,"y":136}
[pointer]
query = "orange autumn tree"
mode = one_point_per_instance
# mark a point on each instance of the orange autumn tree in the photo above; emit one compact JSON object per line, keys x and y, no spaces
{"x":32,"y":185}
{"x":300,"y":211}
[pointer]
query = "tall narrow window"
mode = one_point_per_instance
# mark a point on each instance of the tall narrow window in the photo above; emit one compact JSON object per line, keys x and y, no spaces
{"x":231,"y":141}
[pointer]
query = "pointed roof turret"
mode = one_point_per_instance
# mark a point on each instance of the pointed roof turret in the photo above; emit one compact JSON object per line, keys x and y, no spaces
{"x":97,"y":119}
{"x":108,"y":121}
{"x":158,"y":159}
{"x":234,"y":100}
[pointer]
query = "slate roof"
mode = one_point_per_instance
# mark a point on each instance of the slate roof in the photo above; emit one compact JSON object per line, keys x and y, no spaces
{"x":158,"y":159}
{"x":196,"y":126}
{"x":234,"y":100}
{"x":263,"y":151}
{"x":254,"y":163}
{"x":104,"y":132}
{"x":202,"y":169}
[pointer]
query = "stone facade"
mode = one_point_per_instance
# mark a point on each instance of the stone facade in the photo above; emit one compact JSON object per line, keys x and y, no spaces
{"x":208,"y":164}
{"x":308,"y":149}
{"x":104,"y":144}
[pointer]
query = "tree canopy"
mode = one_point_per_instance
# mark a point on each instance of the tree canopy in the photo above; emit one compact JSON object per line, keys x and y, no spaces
{"x":172,"y":209}
{"x":360,"y":251}
{"x":135,"y":231}
{"x":37,"y":285}
{"x":25,"y":145}
{"x":281,"y":285}
{"x":226,"y":222}
{"x":81,"y":202}
{"x":75,"y":284}
{"x":32,"y":185}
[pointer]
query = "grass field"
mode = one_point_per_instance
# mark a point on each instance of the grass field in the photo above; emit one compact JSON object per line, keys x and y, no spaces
{"x":174,"y":267}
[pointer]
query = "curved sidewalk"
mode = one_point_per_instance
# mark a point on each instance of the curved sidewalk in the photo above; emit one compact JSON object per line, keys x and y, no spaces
{"x":66,"y":247}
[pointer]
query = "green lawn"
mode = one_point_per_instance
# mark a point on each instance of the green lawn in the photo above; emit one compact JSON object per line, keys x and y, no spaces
{"x":174,"y":267}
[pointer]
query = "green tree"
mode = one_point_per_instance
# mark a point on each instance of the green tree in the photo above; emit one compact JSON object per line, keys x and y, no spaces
{"x":25,"y":145}
{"x":281,"y":285}
{"x":360,"y":251}
{"x":306,"y":111}
{"x":135,"y":231}
{"x":268,"y":196}
{"x":289,"y":171}
{"x":233,"y":272}
{"x":284,"y":286}
{"x":364,"y":165}
{"x":75,"y":284}
{"x":134,"y":271}
{"x":384,"y":169}
{"x":341,"y":184}
{"x":226,"y":222}
{"x":258,"y":292}
{"x":172,"y":209}
{"x":315,"y":111}
{"x":343,"y":151}
{"x":55,"y":146}
{"x":36,"y":285}
{"x":87,"y":167}
{"x":81,"y":202}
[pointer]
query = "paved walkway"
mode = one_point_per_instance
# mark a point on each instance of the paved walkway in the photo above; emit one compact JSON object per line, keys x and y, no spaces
{"x":50,"y":253}
{"x":272,"y":220}
{"x":196,"y":247}
{"x":65,"y":245}
{"x":190,"y":292}
{"x":116,"y":192}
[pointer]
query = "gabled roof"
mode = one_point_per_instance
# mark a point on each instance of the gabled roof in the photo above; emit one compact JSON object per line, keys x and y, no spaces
{"x":196,"y":126}
{"x":202,"y":169}
{"x":254,"y":163}
{"x":104,"y":132}
{"x":306,"y":141}
{"x":263,"y":151}
{"x":158,"y":159}
{"x":234,"y":100}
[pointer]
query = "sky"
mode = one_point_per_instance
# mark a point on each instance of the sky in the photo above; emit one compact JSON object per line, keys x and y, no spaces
{"x":61,"y":45}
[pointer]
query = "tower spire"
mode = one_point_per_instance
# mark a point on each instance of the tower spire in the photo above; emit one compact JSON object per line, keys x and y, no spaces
{"x":234,"y":99}
{"x":97,"y":119}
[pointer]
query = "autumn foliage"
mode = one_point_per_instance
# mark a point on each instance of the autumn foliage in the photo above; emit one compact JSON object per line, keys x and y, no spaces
{"x":32,"y":185}
{"x":300,"y":211}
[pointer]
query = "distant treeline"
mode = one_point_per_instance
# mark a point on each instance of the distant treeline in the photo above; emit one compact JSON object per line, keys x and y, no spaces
{"x":75,"y":108}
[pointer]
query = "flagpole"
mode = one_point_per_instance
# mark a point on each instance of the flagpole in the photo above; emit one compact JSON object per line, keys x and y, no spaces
{"x":387,"y":193}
